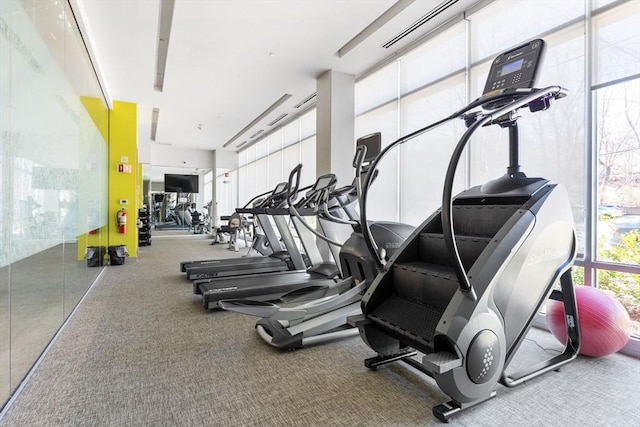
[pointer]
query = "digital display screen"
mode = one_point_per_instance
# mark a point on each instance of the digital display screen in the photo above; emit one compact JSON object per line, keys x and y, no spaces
{"x":372,"y":142}
{"x":323,"y":182}
{"x":280,"y":188}
{"x":512,"y":67}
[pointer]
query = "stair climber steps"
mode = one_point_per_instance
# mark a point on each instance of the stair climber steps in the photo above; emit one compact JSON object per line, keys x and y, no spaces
{"x":481,"y":220}
{"x":424,"y":283}
{"x":422,"y":291}
{"x":412,"y":320}
{"x":434,"y":251}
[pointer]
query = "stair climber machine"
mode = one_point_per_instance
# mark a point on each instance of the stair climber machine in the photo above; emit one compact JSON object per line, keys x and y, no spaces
{"x":324,"y":318}
{"x":272,"y":286}
{"x":285,"y":256}
{"x":464,"y":288}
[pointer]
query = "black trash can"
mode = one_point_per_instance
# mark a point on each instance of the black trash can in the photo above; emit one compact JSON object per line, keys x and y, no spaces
{"x":117,"y":254}
{"x":95,"y":255}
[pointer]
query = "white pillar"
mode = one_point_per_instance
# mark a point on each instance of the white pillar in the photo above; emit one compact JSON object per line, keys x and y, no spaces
{"x":335,"y":123}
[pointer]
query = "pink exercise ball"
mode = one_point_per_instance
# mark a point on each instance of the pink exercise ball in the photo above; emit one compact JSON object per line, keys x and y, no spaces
{"x":605,"y":325}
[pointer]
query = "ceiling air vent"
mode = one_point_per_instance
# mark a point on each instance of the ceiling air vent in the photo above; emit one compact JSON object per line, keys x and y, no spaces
{"x":307,"y":99}
{"x":256,"y":134}
{"x":277,"y":119}
{"x":255,"y":121}
{"x":420,"y":22}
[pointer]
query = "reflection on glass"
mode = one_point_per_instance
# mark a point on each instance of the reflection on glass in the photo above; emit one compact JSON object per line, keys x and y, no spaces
{"x":52,"y":176}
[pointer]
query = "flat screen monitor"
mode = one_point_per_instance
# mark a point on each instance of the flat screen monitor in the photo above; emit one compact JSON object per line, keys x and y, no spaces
{"x":372,"y":142}
{"x":174,"y":183}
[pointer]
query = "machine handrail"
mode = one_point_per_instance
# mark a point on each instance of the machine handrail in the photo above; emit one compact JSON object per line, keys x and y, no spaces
{"x":256,"y":197}
{"x":447,"y":199}
{"x":321,"y":196}
{"x":363,"y":187}
{"x":294,"y":173}
{"x":493,"y":98}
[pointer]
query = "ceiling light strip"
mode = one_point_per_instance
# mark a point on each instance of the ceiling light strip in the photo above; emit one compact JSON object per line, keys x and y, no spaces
{"x":379,"y":22}
{"x":420,"y":22}
{"x":266,"y":112}
{"x":164,"y":33}
{"x":154,"y":122}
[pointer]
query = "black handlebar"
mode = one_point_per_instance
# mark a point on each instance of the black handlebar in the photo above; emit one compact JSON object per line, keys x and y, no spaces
{"x":533,"y":100}
{"x":358,"y":159}
{"x":514,"y":99}
{"x":293,"y":189}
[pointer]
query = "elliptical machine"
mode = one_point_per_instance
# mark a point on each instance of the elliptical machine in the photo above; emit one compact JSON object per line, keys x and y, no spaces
{"x":464,"y":289}
{"x":323,"y":317}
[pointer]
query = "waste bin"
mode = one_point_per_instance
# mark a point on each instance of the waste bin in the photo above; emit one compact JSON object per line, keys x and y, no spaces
{"x":117,"y":254}
{"x":95,"y":256}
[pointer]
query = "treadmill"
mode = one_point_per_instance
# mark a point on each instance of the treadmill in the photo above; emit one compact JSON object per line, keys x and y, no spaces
{"x":272,"y":286}
{"x":281,"y":259}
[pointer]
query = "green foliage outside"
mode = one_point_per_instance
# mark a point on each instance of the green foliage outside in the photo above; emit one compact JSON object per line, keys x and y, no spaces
{"x":626,"y":287}
{"x":626,"y":251}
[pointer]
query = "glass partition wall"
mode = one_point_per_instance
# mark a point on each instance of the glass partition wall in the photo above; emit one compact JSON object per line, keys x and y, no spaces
{"x":53,"y":176}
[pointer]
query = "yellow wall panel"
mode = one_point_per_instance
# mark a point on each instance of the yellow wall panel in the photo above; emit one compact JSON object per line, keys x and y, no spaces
{"x":123,"y":185}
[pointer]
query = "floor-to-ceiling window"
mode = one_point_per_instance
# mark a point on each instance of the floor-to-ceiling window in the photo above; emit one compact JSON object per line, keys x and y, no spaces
{"x":271,"y":158}
{"x":53,"y":176}
{"x":614,"y":257}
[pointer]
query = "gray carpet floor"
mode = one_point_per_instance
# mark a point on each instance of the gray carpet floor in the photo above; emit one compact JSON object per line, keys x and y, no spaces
{"x":142,"y":351}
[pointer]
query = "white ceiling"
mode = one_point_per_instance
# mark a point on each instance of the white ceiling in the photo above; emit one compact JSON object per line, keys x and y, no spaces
{"x":230,"y":60}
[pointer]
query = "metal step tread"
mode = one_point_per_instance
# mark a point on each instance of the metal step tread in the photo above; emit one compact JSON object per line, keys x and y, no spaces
{"x":425,"y":283}
{"x":408,"y":318}
{"x":422,"y":267}
{"x":433,"y":249}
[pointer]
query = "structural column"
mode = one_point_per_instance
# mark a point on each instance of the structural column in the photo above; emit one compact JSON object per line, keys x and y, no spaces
{"x":335,"y":123}
{"x":123,"y":174}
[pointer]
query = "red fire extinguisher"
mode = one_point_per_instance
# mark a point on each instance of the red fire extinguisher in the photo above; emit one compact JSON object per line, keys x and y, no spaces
{"x":122,"y":221}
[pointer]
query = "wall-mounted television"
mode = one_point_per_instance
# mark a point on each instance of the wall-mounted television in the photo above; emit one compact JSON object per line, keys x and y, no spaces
{"x":174,"y":183}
